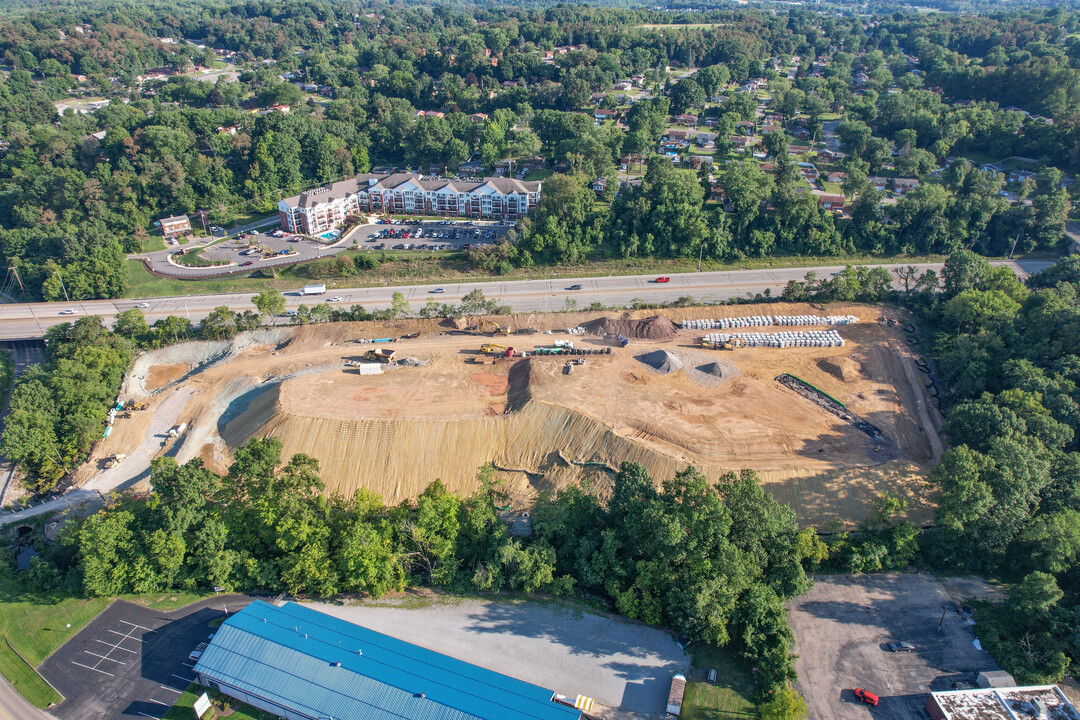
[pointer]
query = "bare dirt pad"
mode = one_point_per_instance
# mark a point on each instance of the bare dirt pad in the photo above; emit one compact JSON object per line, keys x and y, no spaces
{"x":161,"y":375}
{"x":397,"y":431}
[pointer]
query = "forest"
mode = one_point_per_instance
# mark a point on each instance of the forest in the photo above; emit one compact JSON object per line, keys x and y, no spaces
{"x":74,"y":201}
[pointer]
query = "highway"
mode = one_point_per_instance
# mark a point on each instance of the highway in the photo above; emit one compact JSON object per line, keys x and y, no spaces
{"x":22,"y":321}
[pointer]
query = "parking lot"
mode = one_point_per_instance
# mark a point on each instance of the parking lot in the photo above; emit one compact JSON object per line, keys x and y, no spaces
{"x":131,"y":661}
{"x":842,"y":629}
{"x":619,"y":663}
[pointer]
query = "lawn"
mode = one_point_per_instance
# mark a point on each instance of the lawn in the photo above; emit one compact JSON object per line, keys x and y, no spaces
{"x":36,"y":626}
{"x":539,"y":174}
{"x":184,"y":707}
{"x":730,"y":697}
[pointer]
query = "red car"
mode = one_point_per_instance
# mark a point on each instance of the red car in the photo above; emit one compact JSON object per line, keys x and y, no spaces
{"x":867,"y":697}
{"x":663,"y":279}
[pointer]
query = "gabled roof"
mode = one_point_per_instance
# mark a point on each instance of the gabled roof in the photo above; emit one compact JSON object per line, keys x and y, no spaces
{"x":393,"y":181}
{"x":321,"y":666}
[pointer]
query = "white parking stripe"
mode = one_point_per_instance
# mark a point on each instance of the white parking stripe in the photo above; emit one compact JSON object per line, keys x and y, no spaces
{"x":187,"y":680}
{"x":166,"y":687}
{"x":126,"y":636}
{"x":138,"y":626}
{"x":92,"y":668}
{"x":104,"y":657}
{"x":112,"y":645}
{"x":159,"y":702}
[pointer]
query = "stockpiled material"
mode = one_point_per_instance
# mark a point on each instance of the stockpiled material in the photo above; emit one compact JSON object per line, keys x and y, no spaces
{"x":764,"y":320}
{"x":711,"y":369}
{"x":661,"y":361}
{"x":790,"y":338}
{"x":657,"y":327}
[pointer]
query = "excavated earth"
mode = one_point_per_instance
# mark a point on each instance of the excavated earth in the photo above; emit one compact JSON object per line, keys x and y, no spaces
{"x":663,"y":402}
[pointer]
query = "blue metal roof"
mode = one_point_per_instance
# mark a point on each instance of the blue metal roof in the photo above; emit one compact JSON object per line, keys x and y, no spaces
{"x":288,"y":655}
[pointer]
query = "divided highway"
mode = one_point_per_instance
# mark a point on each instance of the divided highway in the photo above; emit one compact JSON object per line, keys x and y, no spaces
{"x":22,"y":321}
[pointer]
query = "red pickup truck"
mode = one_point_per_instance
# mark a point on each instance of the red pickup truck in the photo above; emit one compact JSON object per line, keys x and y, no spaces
{"x":867,"y":697}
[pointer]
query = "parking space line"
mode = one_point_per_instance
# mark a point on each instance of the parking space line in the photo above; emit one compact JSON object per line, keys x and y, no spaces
{"x":166,"y":687}
{"x":187,"y":680}
{"x":126,"y":636}
{"x":159,"y":702}
{"x":116,"y":646}
{"x":92,"y":668}
{"x":104,"y":657}
{"x":138,"y":626}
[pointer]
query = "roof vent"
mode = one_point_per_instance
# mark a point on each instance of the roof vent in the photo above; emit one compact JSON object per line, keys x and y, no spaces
{"x":421,"y":695}
{"x":359,"y":652}
{"x":335,"y":664}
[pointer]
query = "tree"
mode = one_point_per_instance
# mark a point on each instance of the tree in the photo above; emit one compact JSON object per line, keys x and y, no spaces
{"x":686,"y":94}
{"x":269,"y":303}
{"x":785,"y":704}
{"x":399,"y":306}
{"x":131,"y":323}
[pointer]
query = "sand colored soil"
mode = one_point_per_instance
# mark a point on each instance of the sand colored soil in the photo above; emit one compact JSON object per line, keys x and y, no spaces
{"x":161,"y":375}
{"x":720,"y":410}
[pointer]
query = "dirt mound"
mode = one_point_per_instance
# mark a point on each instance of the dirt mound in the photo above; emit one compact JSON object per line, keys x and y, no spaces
{"x":712,"y":368}
{"x":657,"y":327}
{"x":661,"y":361}
{"x":841,"y":368}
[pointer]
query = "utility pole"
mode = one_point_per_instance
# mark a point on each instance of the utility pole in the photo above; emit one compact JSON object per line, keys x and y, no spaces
{"x":1013,"y":249}
{"x":57,"y":274}
{"x":701,"y":249}
{"x":202,"y":216}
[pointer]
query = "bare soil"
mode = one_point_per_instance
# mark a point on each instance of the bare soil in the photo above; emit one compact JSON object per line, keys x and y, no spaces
{"x":544,"y":429}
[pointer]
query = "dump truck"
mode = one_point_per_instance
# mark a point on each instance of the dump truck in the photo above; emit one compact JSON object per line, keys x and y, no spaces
{"x":383,"y":355}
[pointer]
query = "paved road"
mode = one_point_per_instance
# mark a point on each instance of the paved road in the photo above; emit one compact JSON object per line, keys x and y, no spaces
{"x":14,"y":707}
{"x":29,"y":320}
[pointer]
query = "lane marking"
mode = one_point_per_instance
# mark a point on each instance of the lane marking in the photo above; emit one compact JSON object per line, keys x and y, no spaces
{"x":92,"y":668}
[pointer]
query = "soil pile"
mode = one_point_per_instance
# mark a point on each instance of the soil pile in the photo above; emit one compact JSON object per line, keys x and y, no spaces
{"x":661,"y":361}
{"x":712,"y":368}
{"x":841,"y":368}
{"x":657,"y":327}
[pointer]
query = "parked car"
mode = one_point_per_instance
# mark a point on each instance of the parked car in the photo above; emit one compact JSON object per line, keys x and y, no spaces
{"x":867,"y":697}
{"x":663,"y":279}
{"x":195,"y":654}
{"x":901,"y":646}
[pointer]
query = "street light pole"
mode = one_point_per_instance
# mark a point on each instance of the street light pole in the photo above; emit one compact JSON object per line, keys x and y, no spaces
{"x":701,"y":249}
{"x":57,"y":274}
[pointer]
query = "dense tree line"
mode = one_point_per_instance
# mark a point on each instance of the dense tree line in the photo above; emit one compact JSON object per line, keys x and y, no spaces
{"x":712,"y":562}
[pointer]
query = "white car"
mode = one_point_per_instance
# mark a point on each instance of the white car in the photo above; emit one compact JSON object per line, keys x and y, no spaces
{"x":143,"y":305}
{"x":334,"y":299}
{"x":69,"y":311}
{"x":437,"y":290}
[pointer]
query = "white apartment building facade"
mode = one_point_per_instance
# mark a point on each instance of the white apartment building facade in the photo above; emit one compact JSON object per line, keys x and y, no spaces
{"x":323,"y":209}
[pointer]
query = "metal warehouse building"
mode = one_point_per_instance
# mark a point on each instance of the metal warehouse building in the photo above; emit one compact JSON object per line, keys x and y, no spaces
{"x":302,"y":664}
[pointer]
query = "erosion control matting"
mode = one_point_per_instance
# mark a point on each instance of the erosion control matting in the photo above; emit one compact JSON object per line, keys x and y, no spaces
{"x":661,"y":361}
{"x":657,"y":327}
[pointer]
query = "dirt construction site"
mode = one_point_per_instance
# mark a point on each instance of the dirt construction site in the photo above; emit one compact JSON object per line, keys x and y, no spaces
{"x":442,"y":408}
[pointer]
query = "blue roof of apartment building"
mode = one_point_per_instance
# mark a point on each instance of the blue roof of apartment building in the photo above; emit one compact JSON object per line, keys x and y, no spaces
{"x":321,"y":666}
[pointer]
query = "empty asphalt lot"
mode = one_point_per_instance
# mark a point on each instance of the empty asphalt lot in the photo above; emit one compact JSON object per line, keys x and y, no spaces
{"x":842,"y":626}
{"x":131,"y":661}
{"x":619,"y":663}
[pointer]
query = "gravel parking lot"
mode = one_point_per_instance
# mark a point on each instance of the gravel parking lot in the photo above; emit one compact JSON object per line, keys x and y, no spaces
{"x":842,"y":627}
{"x":620,"y":664}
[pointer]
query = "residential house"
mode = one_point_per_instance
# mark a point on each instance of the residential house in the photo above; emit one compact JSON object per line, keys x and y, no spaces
{"x":794,"y":150}
{"x":678,"y":136}
{"x":880,"y":184}
{"x":836,"y":177}
{"x":600,"y":185}
{"x":604,"y":114}
{"x":478,"y":118}
{"x":430,"y":113}
{"x":624,"y":85}
{"x":902,"y":186}
{"x":832,"y":202}
{"x":323,"y":209}
{"x":809,"y":170}
{"x":597,"y":98}
{"x":686,"y":119}
{"x":1019,"y":176}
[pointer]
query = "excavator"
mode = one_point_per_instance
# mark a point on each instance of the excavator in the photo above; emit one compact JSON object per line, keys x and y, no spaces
{"x":494,"y":349}
{"x":493,"y":327}
{"x":721,"y":344}
{"x":383,"y":355}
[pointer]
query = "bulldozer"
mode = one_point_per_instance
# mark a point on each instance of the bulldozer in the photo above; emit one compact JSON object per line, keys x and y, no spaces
{"x":492,"y":327}
{"x":383,"y":355}
{"x":114,"y":460}
{"x":132,"y":405}
{"x":721,"y":344}
{"x":495,"y":349}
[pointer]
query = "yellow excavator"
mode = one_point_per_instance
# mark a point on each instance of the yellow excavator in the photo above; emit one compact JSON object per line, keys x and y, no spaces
{"x":492,"y":327}
{"x":496,"y":349}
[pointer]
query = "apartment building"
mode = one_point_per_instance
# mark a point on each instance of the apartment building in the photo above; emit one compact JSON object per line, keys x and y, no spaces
{"x":323,"y":209}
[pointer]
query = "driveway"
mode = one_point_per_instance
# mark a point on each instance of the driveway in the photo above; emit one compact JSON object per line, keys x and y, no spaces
{"x":133,"y":469}
{"x":618,"y":663}
{"x":841,"y":630}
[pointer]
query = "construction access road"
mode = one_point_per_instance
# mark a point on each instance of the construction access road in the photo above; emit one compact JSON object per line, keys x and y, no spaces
{"x":21,"y":321}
